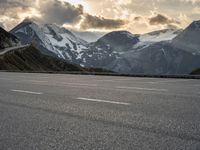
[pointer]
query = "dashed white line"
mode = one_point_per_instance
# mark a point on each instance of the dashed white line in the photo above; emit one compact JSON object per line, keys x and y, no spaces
{"x":138,"y":88}
{"x":80,"y":84}
{"x":28,"y":92}
{"x":35,"y":81}
{"x":102,"y":101}
{"x":5,"y":79}
{"x":34,"y":77}
{"x":170,"y":81}
{"x":105,"y":80}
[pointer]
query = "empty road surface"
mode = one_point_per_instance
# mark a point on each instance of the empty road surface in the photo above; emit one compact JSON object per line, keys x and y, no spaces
{"x":72,"y":112}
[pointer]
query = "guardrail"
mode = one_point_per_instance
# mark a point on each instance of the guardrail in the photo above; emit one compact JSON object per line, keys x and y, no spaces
{"x":109,"y":74}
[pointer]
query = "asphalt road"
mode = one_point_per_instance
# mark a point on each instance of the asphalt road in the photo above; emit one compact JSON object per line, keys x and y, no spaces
{"x":72,"y":112}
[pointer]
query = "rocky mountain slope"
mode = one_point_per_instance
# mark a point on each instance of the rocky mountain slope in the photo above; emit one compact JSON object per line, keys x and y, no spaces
{"x":189,"y":39}
{"x":158,"y":58}
{"x":150,"y":53}
{"x":7,"y":40}
{"x":60,"y":41}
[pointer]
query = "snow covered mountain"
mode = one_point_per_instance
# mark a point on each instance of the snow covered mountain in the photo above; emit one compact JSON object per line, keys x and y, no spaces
{"x":30,"y":33}
{"x":7,"y":39}
{"x":189,"y":39}
{"x":120,"y":51}
{"x":66,"y":45}
{"x":158,"y":58}
{"x":147,"y":39}
{"x":51,"y":38}
{"x":151,"y":53}
{"x":161,"y":35}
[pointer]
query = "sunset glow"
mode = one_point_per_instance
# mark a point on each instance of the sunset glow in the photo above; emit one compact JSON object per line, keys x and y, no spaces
{"x":137,"y":16}
{"x":75,"y":2}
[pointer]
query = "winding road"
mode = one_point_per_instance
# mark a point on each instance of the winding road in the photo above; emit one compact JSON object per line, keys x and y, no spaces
{"x":6,"y":50}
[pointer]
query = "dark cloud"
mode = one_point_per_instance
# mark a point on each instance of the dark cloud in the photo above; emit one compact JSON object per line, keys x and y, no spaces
{"x":55,"y":11}
{"x":66,"y":13}
{"x":160,"y":19}
{"x":91,"y":22}
{"x":10,"y":8}
{"x":7,"y":4}
{"x":48,"y":11}
{"x":137,"y":18}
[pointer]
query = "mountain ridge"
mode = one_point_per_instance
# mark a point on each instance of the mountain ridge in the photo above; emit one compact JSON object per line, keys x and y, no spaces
{"x":121,"y":51}
{"x":189,"y":39}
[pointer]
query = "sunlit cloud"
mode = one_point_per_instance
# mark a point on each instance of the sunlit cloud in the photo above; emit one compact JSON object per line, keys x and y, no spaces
{"x":75,"y":2}
{"x":137,"y":16}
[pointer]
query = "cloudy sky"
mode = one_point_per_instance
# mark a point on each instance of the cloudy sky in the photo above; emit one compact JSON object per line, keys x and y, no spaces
{"x":137,"y":16}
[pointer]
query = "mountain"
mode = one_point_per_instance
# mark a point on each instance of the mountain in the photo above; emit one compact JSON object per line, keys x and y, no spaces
{"x":189,"y":39}
{"x":120,"y":51}
{"x":118,"y":40}
{"x":51,"y":38}
{"x":158,"y":58}
{"x":29,"y":32}
{"x":27,"y":57}
{"x":107,"y":49}
{"x":7,"y":40}
{"x":147,"y":39}
{"x":151,"y":53}
{"x":65,"y":43}
{"x":160,"y":35}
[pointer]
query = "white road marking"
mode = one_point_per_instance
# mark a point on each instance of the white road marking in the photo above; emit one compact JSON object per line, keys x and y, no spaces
{"x":129,"y":79}
{"x":39,"y":77}
{"x":5,"y":79}
{"x":104,"y":80}
{"x":80,"y":84}
{"x":28,"y":92}
{"x":102,"y":101}
{"x":117,"y":80}
{"x":170,"y":81}
{"x":35,"y":81}
{"x":138,"y":88}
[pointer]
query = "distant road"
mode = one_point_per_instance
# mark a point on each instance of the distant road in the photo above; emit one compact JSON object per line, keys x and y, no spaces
{"x":3,"y":51}
{"x":57,"y":112}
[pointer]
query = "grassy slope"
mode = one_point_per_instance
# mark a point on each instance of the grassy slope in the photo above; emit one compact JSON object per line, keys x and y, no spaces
{"x":196,"y":72}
